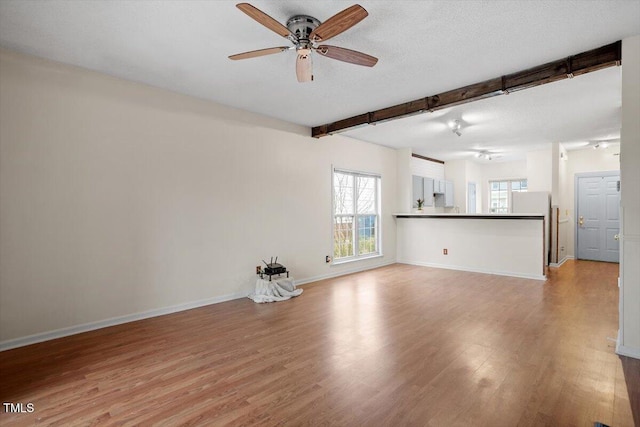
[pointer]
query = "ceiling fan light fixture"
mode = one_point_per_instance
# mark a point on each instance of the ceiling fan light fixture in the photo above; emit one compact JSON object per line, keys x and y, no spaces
{"x":305,"y":32}
{"x":303,"y":51}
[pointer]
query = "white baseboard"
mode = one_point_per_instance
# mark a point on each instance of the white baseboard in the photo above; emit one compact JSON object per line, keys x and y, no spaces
{"x":91,"y":326}
{"x":626,"y":351}
{"x":475,"y":270}
{"x":558,"y":264}
{"x":341,"y":273}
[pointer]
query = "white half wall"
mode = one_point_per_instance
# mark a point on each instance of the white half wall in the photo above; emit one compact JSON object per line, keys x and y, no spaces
{"x":511,"y":247}
{"x":118,"y":198}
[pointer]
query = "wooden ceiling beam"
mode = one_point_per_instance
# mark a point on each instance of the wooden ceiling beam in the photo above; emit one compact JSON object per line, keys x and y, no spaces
{"x":582,"y":63}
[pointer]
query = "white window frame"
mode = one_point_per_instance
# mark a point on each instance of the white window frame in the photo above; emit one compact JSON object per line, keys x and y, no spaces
{"x":356,"y":238}
{"x":510,"y":192}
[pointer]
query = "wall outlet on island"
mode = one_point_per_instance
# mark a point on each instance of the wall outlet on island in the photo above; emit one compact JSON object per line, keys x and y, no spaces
{"x":445,"y":251}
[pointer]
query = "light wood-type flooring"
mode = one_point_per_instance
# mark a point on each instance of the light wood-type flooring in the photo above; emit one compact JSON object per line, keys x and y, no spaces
{"x":399,"y":345}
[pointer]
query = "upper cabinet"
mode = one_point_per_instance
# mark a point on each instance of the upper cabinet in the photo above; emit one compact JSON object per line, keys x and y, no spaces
{"x":448,"y":194}
{"x":434,"y":192}
{"x":428,"y":191}
{"x":439,"y":186}
{"x":422,"y":189}
{"x":418,"y":190}
{"x":445,"y":198}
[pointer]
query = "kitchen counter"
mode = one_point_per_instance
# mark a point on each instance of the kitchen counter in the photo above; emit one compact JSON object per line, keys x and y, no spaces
{"x":468,"y":216}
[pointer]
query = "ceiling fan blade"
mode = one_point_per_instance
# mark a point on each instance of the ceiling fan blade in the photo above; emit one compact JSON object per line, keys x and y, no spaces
{"x":304,"y":68}
{"x":264,"y":19}
{"x":260,"y":52}
{"x":347,"y":55}
{"x":338,"y":23}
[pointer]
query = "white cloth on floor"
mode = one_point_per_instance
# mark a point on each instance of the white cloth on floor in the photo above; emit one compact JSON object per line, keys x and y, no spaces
{"x":280,"y":289}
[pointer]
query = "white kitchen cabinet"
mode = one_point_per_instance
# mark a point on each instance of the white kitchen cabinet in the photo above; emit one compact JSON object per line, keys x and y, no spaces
{"x":418,"y":190}
{"x":422,"y":189}
{"x":445,"y":198}
{"x":428,"y":191}
{"x":448,"y":194}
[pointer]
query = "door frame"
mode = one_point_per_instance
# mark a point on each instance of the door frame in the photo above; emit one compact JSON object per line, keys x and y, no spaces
{"x":575,"y":201}
{"x":475,"y":197}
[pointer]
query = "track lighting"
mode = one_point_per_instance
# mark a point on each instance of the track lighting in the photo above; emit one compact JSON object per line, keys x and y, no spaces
{"x":604,"y":144}
{"x":455,"y":127}
{"x":484,"y":155}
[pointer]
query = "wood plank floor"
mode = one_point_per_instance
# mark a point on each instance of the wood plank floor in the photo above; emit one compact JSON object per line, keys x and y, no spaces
{"x":399,"y":345}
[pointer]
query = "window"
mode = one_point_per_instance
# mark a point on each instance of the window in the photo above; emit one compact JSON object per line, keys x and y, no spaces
{"x":356,"y":215}
{"x":500,"y":194}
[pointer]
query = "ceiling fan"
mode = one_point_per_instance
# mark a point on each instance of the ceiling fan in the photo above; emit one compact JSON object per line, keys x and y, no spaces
{"x":306,"y":33}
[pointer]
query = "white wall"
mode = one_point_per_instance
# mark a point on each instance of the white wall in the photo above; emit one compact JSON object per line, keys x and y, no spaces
{"x":404,"y":192}
{"x":562,"y":202}
{"x":118,"y":198}
{"x":427,"y":168}
{"x":629,"y":338}
{"x":539,"y":170}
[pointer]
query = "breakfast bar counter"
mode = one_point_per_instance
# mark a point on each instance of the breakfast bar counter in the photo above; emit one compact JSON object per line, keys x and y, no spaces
{"x":504,"y":244}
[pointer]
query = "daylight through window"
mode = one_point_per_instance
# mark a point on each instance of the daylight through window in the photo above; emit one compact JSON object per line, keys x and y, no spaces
{"x":356,"y":215}
{"x":500,"y":194}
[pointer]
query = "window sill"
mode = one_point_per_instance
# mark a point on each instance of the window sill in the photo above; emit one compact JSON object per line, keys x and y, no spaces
{"x":360,"y":258}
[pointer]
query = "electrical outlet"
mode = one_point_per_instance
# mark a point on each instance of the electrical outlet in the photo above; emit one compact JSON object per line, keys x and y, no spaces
{"x":327,"y":259}
{"x":445,"y":251}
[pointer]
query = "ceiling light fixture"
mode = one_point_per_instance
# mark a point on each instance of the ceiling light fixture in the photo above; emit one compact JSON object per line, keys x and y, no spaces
{"x":484,"y":155}
{"x":603,"y":143}
{"x":455,"y":127}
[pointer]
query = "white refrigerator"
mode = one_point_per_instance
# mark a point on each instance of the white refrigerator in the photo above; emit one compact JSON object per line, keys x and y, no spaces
{"x":535,"y":202}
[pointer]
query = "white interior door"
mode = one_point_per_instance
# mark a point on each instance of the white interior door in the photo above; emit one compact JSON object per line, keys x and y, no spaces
{"x":598,"y":212}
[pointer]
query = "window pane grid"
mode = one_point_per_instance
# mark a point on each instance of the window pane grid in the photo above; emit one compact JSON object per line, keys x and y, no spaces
{"x":343,"y":236}
{"x":500,"y":194}
{"x":366,"y":200}
{"x":356,"y":213}
{"x":343,"y":193}
{"x":367,"y":234}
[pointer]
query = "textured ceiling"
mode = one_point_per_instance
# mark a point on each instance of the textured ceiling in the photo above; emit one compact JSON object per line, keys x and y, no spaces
{"x":425,"y":47}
